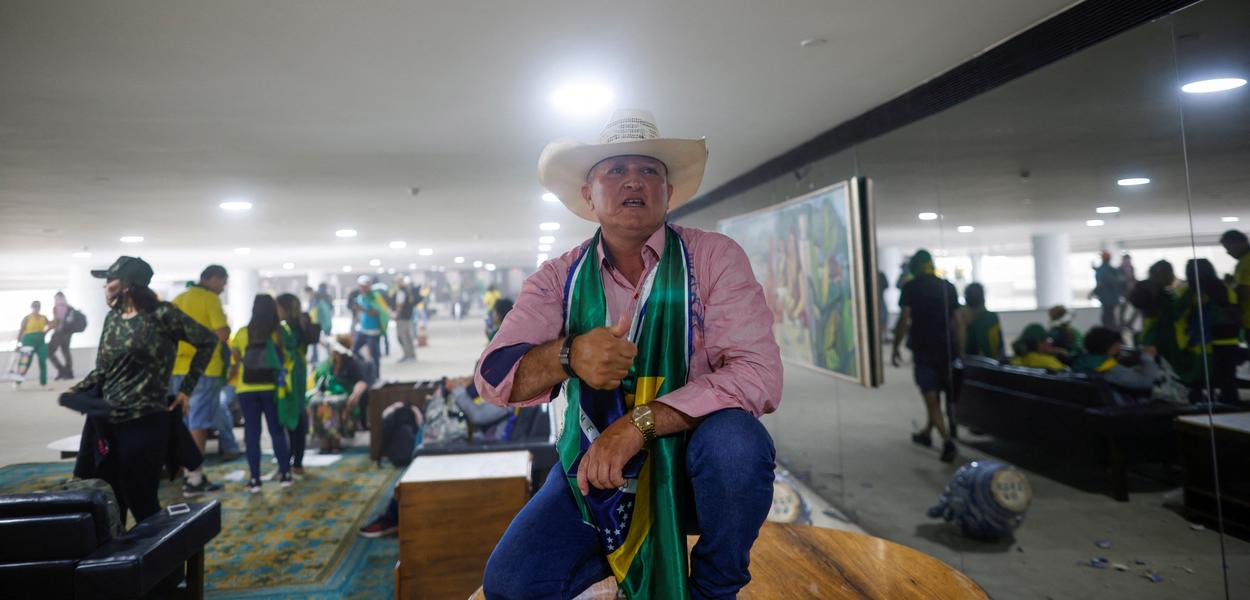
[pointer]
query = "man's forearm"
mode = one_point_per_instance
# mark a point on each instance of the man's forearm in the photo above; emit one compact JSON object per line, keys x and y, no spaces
{"x":538,"y":372}
{"x":670,"y":420}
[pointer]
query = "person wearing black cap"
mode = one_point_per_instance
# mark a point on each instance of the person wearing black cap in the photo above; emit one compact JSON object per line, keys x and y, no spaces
{"x":133,"y":366}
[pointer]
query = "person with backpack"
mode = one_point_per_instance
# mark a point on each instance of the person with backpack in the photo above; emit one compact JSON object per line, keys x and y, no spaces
{"x":66,"y":321}
{"x":298,"y":332}
{"x":1212,"y":325}
{"x":31,"y":334}
{"x":258,"y":357}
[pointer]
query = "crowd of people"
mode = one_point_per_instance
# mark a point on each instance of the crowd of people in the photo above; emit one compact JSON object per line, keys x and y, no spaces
{"x":1188,"y":348}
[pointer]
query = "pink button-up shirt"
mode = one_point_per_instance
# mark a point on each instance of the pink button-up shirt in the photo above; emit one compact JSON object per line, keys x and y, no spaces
{"x":736,"y":361}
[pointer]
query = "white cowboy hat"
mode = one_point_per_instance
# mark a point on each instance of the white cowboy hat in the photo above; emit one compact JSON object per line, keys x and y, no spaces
{"x":565,"y":163}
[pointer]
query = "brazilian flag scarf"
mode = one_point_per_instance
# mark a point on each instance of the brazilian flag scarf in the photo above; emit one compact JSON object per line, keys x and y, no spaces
{"x":640,"y":525}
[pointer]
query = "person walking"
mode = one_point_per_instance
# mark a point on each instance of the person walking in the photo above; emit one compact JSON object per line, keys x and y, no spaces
{"x":1108,"y":286}
{"x":321,"y":311}
{"x":292,"y":400}
{"x":372,"y":319}
{"x":1212,"y":326}
{"x":202,"y":302}
{"x":258,"y":356}
{"x":1237,"y":244}
{"x":132,"y":373}
{"x":928,"y":304}
{"x":66,"y":321}
{"x":31,"y":334}
{"x":404,"y":300}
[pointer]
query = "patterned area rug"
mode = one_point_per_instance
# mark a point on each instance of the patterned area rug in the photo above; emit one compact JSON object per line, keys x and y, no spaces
{"x":297,"y":542}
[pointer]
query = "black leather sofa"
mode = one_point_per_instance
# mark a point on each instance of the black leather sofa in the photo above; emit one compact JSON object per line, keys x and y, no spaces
{"x":59,"y":545}
{"x":1070,"y":415}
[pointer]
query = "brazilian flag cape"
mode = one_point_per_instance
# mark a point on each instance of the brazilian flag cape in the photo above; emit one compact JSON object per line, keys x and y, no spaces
{"x":640,"y":525}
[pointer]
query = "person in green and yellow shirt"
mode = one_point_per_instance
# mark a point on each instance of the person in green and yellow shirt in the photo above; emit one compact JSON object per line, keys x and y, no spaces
{"x":979,"y":331}
{"x":257,"y":361}
{"x":202,"y":302}
{"x":1211,"y":333}
{"x":31,"y":334}
{"x":1034,"y":348}
{"x":1238,"y":246}
{"x":292,"y":397}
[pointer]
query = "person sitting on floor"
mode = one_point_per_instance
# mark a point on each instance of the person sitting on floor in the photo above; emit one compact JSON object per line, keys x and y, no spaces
{"x":1035,"y":349}
{"x":1102,"y":347}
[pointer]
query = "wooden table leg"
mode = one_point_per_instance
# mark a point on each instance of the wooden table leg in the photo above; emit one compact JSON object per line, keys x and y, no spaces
{"x":195,"y":576}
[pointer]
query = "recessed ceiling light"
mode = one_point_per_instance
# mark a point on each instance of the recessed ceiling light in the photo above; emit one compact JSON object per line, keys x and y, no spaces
{"x":965,"y":229}
{"x":1095,"y":223}
{"x":1207,"y":86}
{"x":582,"y":99}
{"x":477,"y":264}
{"x":347,"y":268}
{"x":85,"y":254}
{"x":812,"y":42}
{"x":927,"y":216}
{"x":288,"y":266}
{"x":1222,"y":220}
{"x":426,"y":252}
{"x":544,"y":247}
{"x":345,"y":233}
{"x":1131,"y":181}
{"x":242,"y":250}
{"x":1107,"y":210}
{"x":375,"y":262}
{"x":550,"y":197}
{"x":458,"y":260}
{"x":547,"y":239}
{"x":131,"y":239}
{"x":490,"y":266}
{"x":549,"y":226}
{"x":398,"y":245}
{"x":235,"y":205}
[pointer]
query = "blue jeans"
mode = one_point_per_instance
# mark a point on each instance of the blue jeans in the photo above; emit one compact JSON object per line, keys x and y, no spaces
{"x":548,"y":552}
{"x":204,"y":400}
{"x":254,"y":404}
{"x":374,"y":343}
{"x":226,"y":442}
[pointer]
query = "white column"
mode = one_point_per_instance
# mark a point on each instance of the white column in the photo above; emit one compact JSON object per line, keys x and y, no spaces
{"x":316,"y":277}
{"x":1050,"y":269}
{"x":240,"y":291}
{"x":86,"y":293}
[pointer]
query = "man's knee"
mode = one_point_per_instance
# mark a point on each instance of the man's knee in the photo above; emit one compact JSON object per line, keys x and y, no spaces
{"x":731,"y":440}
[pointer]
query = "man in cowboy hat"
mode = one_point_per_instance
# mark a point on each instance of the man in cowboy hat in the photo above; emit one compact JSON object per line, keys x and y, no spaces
{"x":658,"y":342}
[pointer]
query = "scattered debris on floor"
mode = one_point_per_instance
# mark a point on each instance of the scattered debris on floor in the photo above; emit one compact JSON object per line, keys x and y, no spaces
{"x":1120,"y":567}
{"x":1104,"y":544}
{"x":1139,"y":562}
{"x":1152,"y":576}
{"x":1188,"y":570}
{"x":1098,"y":562}
{"x":1196,"y":526}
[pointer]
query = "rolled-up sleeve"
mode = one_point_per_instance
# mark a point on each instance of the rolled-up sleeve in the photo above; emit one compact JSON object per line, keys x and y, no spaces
{"x":739,"y":346}
{"x":535,"y":318}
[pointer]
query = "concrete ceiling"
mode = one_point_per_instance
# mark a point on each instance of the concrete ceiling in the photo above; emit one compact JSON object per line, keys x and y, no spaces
{"x":139,"y":117}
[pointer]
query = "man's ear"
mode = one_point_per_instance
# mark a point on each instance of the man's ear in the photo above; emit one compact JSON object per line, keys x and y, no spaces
{"x":586,"y":196}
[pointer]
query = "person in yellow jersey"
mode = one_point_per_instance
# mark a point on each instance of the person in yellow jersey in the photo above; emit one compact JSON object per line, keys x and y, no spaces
{"x":31,"y":335}
{"x":1238,"y":246}
{"x":202,"y":302}
{"x":1036,"y":349}
{"x":257,"y":360}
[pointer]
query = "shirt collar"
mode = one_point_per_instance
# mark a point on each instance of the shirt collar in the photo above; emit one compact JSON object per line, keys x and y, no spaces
{"x":651,"y":250}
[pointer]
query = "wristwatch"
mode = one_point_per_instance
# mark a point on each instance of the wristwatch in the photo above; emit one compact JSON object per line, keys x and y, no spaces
{"x":566,"y":356}
{"x":644,"y":420}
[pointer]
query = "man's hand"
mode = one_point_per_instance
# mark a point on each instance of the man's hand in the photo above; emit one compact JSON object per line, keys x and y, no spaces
{"x":603,"y":462}
{"x":181,"y":400}
{"x":602,"y":356}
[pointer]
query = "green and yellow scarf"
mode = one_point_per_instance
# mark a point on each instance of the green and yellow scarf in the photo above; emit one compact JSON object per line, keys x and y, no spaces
{"x":640,"y":525}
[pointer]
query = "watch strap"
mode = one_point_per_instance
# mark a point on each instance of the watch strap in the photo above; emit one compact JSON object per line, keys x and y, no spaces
{"x":566,"y":356}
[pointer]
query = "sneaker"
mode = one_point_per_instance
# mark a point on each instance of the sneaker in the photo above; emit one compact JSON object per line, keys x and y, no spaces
{"x":922,"y":439}
{"x":285,"y":480}
{"x":205,"y":487}
{"x":378,"y":529}
{"x":253,"y":486}
{"x":948,"y":451}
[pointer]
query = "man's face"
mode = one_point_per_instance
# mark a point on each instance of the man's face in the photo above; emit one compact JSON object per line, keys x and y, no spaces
{"x":35,"y":306}
{"x":112,"y":291}
{"x":629,"y":194}
{"x":216,"y":284}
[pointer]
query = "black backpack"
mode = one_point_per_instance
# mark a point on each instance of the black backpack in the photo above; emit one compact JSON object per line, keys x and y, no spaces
{"x":75,"y":321}
{"x":399,"y":436}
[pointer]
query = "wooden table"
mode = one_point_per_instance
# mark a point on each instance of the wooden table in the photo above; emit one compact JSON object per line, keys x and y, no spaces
{"x":452,"y":511}
{"x":801,"y":561}
{"x":1232,"y":455}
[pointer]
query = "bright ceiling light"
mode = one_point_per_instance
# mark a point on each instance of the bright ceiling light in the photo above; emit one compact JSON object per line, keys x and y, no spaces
{"x":1207,"y":86}
{"x":1107,"y":210}
{"x":1131,"y":181}
{"x":544,"y":247}
{"x":1222,"y":220}
{"x":242,"y":250}
{"x":426,"y":252}
{"x":550,"y":197}
{"x":477,"y":264}
{"x":582,"y":99}
{"x":458,"y":260}
{"x":85,"y":254}
{"x":490,"y":266}
{"x":1095,"y":223}
{"x":375,"y":262}
{"x":288,"y":266}
{"x":236,"y":205}
{"x":927,"y":216}
{"x":398,"y":245}
{"x":345,"y":233}
{"x":131,"y":239}
{"x":547,"y":239}
{"x":549,"y":226}
{"x":965,"y":229}
{"x":347,"y":268}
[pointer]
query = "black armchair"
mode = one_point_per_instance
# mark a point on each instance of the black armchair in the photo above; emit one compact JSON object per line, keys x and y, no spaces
{"x":59,"y":545}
